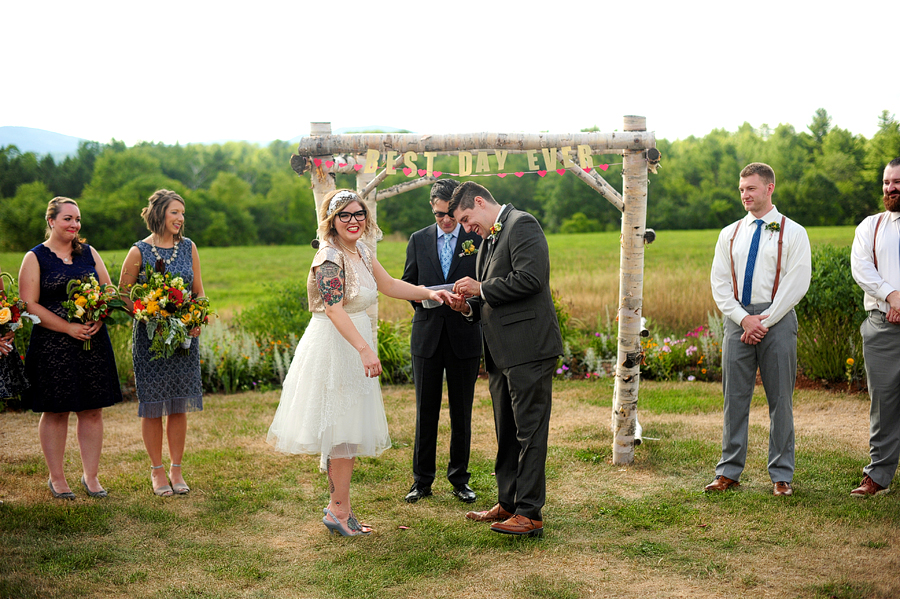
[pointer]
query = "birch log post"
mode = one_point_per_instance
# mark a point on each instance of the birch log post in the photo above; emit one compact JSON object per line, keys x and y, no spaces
{"x":631,"y":287}
{"x":322,"y":180}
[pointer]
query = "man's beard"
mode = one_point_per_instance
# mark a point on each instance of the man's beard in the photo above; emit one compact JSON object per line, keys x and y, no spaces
{"x":892,"y":202}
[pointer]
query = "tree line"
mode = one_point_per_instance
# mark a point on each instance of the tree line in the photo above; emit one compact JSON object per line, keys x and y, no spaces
{"x":243,"y":194}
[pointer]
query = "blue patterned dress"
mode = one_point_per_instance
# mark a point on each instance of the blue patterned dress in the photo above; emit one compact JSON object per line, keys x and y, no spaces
{"x":166,"y":385}
{"x":64,"y":376}
{"x":12,"y":374}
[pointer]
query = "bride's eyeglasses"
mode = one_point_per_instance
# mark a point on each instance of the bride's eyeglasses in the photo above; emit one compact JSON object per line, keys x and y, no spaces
{"x":359,"y":216}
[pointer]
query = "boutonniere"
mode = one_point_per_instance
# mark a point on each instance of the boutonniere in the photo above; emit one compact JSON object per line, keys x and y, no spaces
{"x":495,"y":230}
{"x":468,"y":248}
{"x":773,"y":226}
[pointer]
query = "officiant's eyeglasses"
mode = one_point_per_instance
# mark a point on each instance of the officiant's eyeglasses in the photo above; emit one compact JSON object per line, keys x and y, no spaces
{"x":441,"y":214}
{"x":359,"y":216}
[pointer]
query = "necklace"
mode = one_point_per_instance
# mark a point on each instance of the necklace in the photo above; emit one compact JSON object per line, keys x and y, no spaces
{"x":158,"y":257}
{"x":346,"y":248}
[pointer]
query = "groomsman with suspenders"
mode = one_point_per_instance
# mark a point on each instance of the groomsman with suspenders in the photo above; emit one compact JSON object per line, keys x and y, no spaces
{"x":875,"y":261}
{"x":760,"y":271}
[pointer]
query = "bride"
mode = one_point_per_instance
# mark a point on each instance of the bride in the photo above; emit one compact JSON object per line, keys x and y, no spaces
{"x":331,"y":399}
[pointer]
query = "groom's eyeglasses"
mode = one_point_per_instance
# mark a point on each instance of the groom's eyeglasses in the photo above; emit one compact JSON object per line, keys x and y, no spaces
{"x":441,"y":214}
{"x":359,"y":216}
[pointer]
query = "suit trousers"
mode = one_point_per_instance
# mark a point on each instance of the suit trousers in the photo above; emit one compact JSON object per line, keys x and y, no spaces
{"x":776,"y":358}
{"x":428,"y":374}
{"x":881,"y":349}
{"x":521,"y":397}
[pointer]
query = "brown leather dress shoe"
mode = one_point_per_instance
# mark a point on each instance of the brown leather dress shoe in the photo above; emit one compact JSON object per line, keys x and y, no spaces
{"x":495,"y":514}
{"x":721,"y":484}
{"x":869,"y":487}
{"x":520,"y":525}
{"x":782,"y":488}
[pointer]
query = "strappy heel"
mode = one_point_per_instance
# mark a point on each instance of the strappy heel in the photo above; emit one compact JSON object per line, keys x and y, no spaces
{"x":335,"y":525}
{"x":163,"y":491}
{"x":178,"y":488}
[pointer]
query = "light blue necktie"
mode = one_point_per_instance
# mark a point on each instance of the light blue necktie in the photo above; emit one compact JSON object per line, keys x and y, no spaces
{"x":447,"y":254}
{"x":751,"y":262}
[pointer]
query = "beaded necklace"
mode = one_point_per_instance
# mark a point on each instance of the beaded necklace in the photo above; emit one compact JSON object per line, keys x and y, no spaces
{"x":158,"y":257}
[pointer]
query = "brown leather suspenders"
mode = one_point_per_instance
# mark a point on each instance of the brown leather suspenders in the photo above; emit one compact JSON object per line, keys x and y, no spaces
{"x":875,"y":238}
{"x":777,"y":265}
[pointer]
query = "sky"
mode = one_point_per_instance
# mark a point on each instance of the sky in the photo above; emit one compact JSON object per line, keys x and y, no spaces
{"x":201,"y":72}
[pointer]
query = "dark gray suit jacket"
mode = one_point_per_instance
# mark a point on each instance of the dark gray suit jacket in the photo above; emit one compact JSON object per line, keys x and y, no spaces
{"x":423,"y":267}
{"x":517,"y":315}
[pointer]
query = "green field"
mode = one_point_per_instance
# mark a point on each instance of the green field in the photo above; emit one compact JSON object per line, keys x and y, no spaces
{"x":584,"y":273}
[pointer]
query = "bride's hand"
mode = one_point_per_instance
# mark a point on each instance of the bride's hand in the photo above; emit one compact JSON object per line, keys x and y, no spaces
{"x":371,"y":363}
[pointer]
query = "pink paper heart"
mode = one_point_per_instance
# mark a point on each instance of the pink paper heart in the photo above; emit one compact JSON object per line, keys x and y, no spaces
{"x":560,"y":171}
{"x":422,"y":172}
{"x":519,"y":174}
{"x":407,"y":171}
{"x":437,"y":173}
{"x":357,"y":167}
{"x":501,"y":175}
{"x":604,"y":166}
{"x":542,"y":173}
{"x":317,"y":161}
{"x":330,"y":163}
{"x":587,"y":170}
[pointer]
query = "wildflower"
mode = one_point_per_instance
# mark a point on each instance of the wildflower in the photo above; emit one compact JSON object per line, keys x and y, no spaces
{"x":692,"y":378}
{"x":703,"y":371}
{"x":666,"y":349}
{"x":559,"y":371}
{"x":596,"y":334}
{"x":850,"y":362}
{"x":690,"y":350}
{"x":565,"y":367}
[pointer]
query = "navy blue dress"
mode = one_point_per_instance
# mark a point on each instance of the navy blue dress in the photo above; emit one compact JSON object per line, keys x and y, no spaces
{"x":166,"y":385}
{"x":12,"y":375}
{"x":64,"y":376}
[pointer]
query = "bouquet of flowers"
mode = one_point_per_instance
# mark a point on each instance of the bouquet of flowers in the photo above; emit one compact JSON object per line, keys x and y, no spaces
{"x":168,"y":310}
{"x":12,"y":309}
{"x":89,"y":301}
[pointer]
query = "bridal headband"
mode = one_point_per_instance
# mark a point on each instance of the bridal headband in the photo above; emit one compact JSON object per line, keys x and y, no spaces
{"x":338,"y":198}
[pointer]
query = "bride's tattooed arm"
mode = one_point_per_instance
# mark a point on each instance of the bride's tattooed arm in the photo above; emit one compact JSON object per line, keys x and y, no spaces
{"x":330,"y":279}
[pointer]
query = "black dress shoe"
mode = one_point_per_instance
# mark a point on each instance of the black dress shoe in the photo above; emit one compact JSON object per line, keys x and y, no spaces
{"x":417,"y":492}
{"x":464,"y":493}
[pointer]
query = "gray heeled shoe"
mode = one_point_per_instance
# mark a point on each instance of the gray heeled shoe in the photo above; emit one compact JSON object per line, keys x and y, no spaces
{"x":67,"y":495}
{"x":334,"y":525}
{"x":179,"y":488}
{"x":163,"y":491}
{"x":98,"y":494}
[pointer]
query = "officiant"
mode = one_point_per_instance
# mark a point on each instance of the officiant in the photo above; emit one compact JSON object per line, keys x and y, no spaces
{"x":442,"y":342}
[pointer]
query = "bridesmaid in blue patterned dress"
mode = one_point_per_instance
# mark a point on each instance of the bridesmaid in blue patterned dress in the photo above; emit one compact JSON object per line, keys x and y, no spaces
{"x":167,"y":387}
{"x":12,"y":373}
{"x":64,"y":376}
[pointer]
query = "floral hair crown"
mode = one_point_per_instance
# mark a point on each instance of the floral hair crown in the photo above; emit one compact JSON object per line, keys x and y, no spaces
{"x":338,"y":198}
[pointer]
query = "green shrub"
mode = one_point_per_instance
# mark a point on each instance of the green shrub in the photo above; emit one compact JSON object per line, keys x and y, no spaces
{"x":282,"y":311}
{"x":829,"y":317}
{"x":393,"y":351}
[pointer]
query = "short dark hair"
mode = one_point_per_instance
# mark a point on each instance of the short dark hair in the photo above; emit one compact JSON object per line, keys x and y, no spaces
{"x":464,"y":196}
{"x":765,"y":172}
{"x":894,"y":162}
{"x":443,"y":190}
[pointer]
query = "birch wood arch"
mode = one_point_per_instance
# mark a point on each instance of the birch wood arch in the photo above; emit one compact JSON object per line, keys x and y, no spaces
{"x":325,"y":155}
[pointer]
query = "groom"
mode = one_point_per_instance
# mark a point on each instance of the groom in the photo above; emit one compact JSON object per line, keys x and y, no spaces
{"x":511,"y":297}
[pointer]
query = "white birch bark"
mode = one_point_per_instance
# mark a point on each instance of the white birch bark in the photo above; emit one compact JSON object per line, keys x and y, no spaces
{"x":631,"y":286}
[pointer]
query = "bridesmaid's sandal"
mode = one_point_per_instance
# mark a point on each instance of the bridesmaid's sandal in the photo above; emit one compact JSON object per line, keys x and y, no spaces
{"x":334,"y":525}
{"x":163,"y":491}
{"x":178,"y":488}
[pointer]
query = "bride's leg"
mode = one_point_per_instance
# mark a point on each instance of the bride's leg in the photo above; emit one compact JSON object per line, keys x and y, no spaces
{"x":340,"y":470}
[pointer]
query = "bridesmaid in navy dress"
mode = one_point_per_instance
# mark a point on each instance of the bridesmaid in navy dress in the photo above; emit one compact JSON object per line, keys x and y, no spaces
{"x":64,"y":376}
{"x":167,"y":387}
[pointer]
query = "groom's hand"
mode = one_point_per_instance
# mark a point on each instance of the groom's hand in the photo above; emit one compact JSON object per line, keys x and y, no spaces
{"x":468,"y":287}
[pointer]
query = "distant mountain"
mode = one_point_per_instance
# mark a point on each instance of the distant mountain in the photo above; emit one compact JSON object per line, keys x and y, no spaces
{"x":39,"y":141}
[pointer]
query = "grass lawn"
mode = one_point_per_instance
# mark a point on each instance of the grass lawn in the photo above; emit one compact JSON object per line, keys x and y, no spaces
{"x":252,"y":527}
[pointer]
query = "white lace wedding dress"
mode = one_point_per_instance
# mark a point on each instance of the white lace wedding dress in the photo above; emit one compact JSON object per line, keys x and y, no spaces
{"x":328,"y":406}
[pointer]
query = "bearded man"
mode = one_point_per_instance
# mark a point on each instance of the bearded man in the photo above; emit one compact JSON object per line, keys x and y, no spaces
{"x":875,"y":261}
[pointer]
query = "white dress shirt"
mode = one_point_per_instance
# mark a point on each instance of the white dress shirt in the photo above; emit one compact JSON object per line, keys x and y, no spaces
{"x":877,"y":284}
{"x":796,"y":268}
